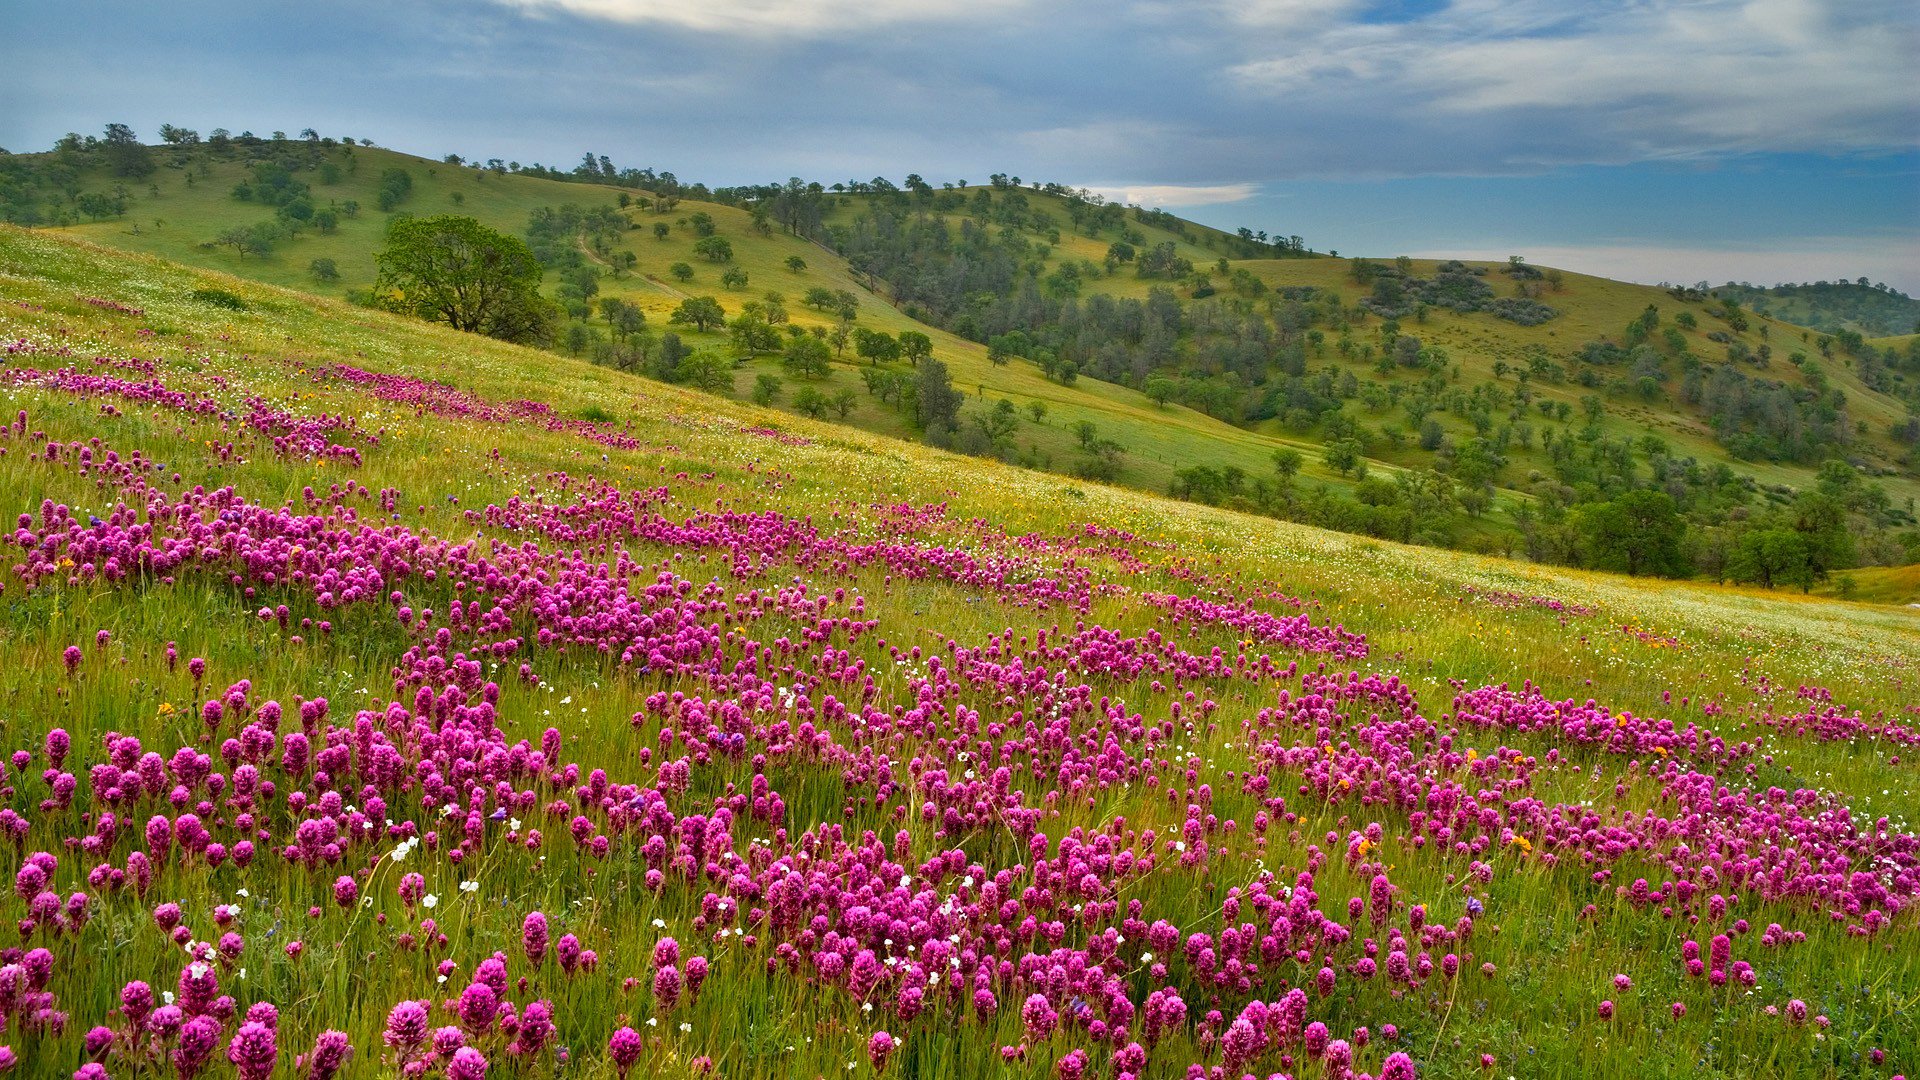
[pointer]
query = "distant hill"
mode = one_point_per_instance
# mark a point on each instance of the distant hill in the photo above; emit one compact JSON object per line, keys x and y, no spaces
{"x":1872,"y":310}
{"x":1478,"y":405}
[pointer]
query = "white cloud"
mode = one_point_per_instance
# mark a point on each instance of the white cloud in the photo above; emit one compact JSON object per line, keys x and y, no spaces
{"x":766,"y":18}
{"x":1176,"y":195}
{"x":1640,"y":79}
{"x":1894,"y":260}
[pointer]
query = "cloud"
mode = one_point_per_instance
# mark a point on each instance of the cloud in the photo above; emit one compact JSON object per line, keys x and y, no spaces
{"x":1632,"y":80}
{"x":1177,"y":195}
{"x":764,"y":18}
{"x":1894,"y":260}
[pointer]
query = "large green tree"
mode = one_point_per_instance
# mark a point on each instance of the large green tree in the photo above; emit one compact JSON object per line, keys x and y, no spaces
{"x":699,"y":312}
{"x":1640,"y":532}
{"x":455,"y":270}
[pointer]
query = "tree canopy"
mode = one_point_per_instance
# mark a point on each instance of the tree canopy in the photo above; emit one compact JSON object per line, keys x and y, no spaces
{"x":455,"y":270}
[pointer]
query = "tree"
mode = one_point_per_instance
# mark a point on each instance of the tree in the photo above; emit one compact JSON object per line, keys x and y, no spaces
{"x":766,"y":389}
{"x":125,"y":153}
{"x":713,"y":248}
{"x":661,"y":230}
{"x":578,"y":338}
{"x":843,"y":402}
{"x":751,"y":335}
{"x":323,"y":270}
{"x":1343,"y":457}
{"x":395,"y":186}
{"x":1161,"y":388}
{"x":997,"y":422}
{"x":796,"y":264}
{"x":875,"y":346}
{"x":807,"y":357}
{"x":811,"y":402}
{"x":1772,"y":557}
{"x":915,"y":346}
{"x":624,"y":318}
{"x":95,"y":205}
{"x":708,"y":372}
{"x":1639,"y":532}
{"x":258,"y":239}
{"x":455,"y":270}
{"x":700,"y":312}
{"x":734,"y":278}
{"x":938,"y":403}
{"x":681,"y":271}
{"x":1821,"y":518}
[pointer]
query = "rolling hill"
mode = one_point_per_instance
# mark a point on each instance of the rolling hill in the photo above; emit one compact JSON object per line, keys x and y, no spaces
{"x":1445,"y":422}
{"x":448,"y":689}
{"x":1872,"y":310}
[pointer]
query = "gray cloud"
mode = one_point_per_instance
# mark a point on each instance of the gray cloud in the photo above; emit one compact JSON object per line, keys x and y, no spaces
{"x":1631,"y":80}
{"x":1183,"y":102}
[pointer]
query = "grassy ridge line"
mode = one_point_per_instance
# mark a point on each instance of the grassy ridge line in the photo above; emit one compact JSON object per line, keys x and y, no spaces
{"x":1159,"y":439}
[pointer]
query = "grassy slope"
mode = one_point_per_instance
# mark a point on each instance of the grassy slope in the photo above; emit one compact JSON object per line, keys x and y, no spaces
{"x":1159,"y":439}
{"x":1537,"y":1017}
{"x":1591,"y":308}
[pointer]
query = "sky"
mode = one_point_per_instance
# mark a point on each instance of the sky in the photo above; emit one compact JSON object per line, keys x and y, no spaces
{"x":1749,"y":140}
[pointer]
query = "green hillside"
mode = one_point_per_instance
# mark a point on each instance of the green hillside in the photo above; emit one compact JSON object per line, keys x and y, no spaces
{"x":1832,"y":307}
{"x":1489,"y":406}
{"x":562,"y":706}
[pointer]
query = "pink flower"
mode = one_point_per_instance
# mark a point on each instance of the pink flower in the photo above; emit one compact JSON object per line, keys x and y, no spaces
{"x":878,"y":1048}
{"x":1039,"y":1018}
{"x":467,"y":1064}
{"x":406,"y":1026}
{"x":666,"y":987}
{"x":330,"y":1053}
{"x":624,"y":1048}
{"x":254,"y":1050}
{"x":533,"y":937}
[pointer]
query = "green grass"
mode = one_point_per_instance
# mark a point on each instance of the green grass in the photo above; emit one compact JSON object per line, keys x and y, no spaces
{"x":1537,"y":1017}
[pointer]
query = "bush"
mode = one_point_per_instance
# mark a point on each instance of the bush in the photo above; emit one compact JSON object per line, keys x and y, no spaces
{"x":219,"y":298}
{"x":1525,"y":312}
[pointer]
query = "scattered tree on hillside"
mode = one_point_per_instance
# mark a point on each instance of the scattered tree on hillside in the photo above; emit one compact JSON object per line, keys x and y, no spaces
{"x":1639,"y":533}
{"x":125,"y":153}
{"x":700,"y":312}
{"x":455,"y":270}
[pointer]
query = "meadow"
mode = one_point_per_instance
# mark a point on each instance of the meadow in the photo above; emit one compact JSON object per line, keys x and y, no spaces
{"x":385,"y":701}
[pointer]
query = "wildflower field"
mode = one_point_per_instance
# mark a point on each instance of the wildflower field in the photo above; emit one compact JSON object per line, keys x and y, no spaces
{"x":381,"y":701}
